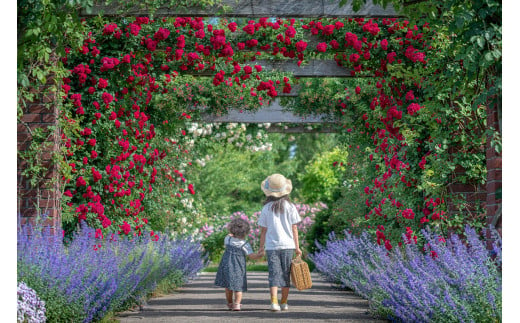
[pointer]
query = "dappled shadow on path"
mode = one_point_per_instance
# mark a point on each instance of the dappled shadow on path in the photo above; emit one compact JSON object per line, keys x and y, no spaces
{"x":201,"y":301}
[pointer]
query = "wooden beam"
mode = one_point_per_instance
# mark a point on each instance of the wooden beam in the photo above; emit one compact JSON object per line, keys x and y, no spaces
{"x":273,"y":113}
{"x":313,"y":68}
{"x":253,"y":9}
{"x":300,"y":129}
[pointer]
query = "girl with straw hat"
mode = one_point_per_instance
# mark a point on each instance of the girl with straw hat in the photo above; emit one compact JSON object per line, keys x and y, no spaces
{"x":279,"y":236}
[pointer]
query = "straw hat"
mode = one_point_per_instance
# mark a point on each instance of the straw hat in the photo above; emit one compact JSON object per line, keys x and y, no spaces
{"x":276,"y":185}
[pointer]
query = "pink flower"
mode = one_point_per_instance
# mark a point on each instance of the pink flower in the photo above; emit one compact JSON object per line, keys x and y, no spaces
{"x":410,"y":96}
{"x":354,"y":58}
{"x":358,"y":89}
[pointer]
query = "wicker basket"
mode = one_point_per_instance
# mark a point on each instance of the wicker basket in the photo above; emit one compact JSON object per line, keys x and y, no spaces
{"x":300,"y":274}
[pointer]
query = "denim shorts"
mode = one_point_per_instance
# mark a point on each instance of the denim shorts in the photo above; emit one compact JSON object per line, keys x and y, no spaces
{"x":279,"y":265}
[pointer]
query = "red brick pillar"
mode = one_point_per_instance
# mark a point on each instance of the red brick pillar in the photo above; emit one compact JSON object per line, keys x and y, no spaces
{"x":494,"y":173}
{"x":42,"y":197}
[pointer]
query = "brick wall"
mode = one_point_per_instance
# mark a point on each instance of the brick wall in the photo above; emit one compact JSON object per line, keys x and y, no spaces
{"x":494,"y":173}
{"x":44,"y":198}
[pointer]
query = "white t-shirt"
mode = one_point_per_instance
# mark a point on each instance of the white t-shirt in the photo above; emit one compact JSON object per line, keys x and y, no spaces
{"x":232,"y":241}
{"x":279,"y":233}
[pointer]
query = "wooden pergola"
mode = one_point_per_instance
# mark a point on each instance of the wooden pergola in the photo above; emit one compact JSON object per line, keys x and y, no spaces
{"x":274,"y":112}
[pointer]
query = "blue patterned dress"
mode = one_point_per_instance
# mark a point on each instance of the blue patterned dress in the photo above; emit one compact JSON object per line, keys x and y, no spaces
{"x":231,"y":271}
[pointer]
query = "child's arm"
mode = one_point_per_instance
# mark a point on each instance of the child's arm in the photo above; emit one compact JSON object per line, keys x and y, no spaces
{"x":263,"y":231}
{"x":256,"y":256}
{"x":296,"y":242}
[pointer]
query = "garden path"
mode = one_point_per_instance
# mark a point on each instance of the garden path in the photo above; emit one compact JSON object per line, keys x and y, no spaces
{"x":201,"y":301}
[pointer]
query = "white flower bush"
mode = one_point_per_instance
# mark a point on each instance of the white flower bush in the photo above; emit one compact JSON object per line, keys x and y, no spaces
{"x":30,"y":307}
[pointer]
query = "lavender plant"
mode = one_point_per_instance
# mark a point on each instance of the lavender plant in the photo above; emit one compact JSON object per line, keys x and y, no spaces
{"x":447,"y":281}
{"x":92,"y":275}
{"x":30,"y":307}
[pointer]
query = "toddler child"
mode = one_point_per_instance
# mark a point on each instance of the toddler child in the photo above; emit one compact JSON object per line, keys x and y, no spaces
{"x":231,"y":273}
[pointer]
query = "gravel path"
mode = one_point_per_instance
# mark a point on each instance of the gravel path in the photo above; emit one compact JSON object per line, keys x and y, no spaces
{"x":201,"y":301}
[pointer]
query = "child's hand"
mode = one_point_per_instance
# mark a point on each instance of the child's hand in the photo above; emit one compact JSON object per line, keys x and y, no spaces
{"x":257,"y":255}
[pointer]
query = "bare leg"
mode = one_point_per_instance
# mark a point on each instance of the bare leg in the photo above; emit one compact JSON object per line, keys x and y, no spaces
{"x":274,"y":294}
{"x":285,"y":294}
{"x":238,"y":297}
{"x":229,"y":296}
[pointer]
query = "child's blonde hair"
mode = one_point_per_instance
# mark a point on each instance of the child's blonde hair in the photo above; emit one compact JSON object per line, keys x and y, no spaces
{"x":239,"y":228}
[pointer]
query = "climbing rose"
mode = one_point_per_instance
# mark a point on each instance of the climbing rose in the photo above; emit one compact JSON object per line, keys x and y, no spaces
{"x":321,"y":47}
{"x":290,"y":32}
{"x":250,"y":29}
{"x":80,"y":181}
{"x":161,"y":34}
{"x":301,"y":46}
{"x":232,"y":26}
{"x":413,"y":108}
{"x":384,"y":44}
{"x":408,"y":214}
{"x":125,"y":227}
{"x":107,"y":97}
{"x":109,"y":29}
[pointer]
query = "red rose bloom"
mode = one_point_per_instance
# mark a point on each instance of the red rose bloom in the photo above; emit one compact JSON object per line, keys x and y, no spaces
{"x":107,"y":97}
{"x":249,"y":29}
{"x":80,"y":181}
{"x":232,"y":26}
{"x":125,"y":227}
{"x":301,"y":46}
{"x":322,"y":47}
{"x":102,"y":83}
